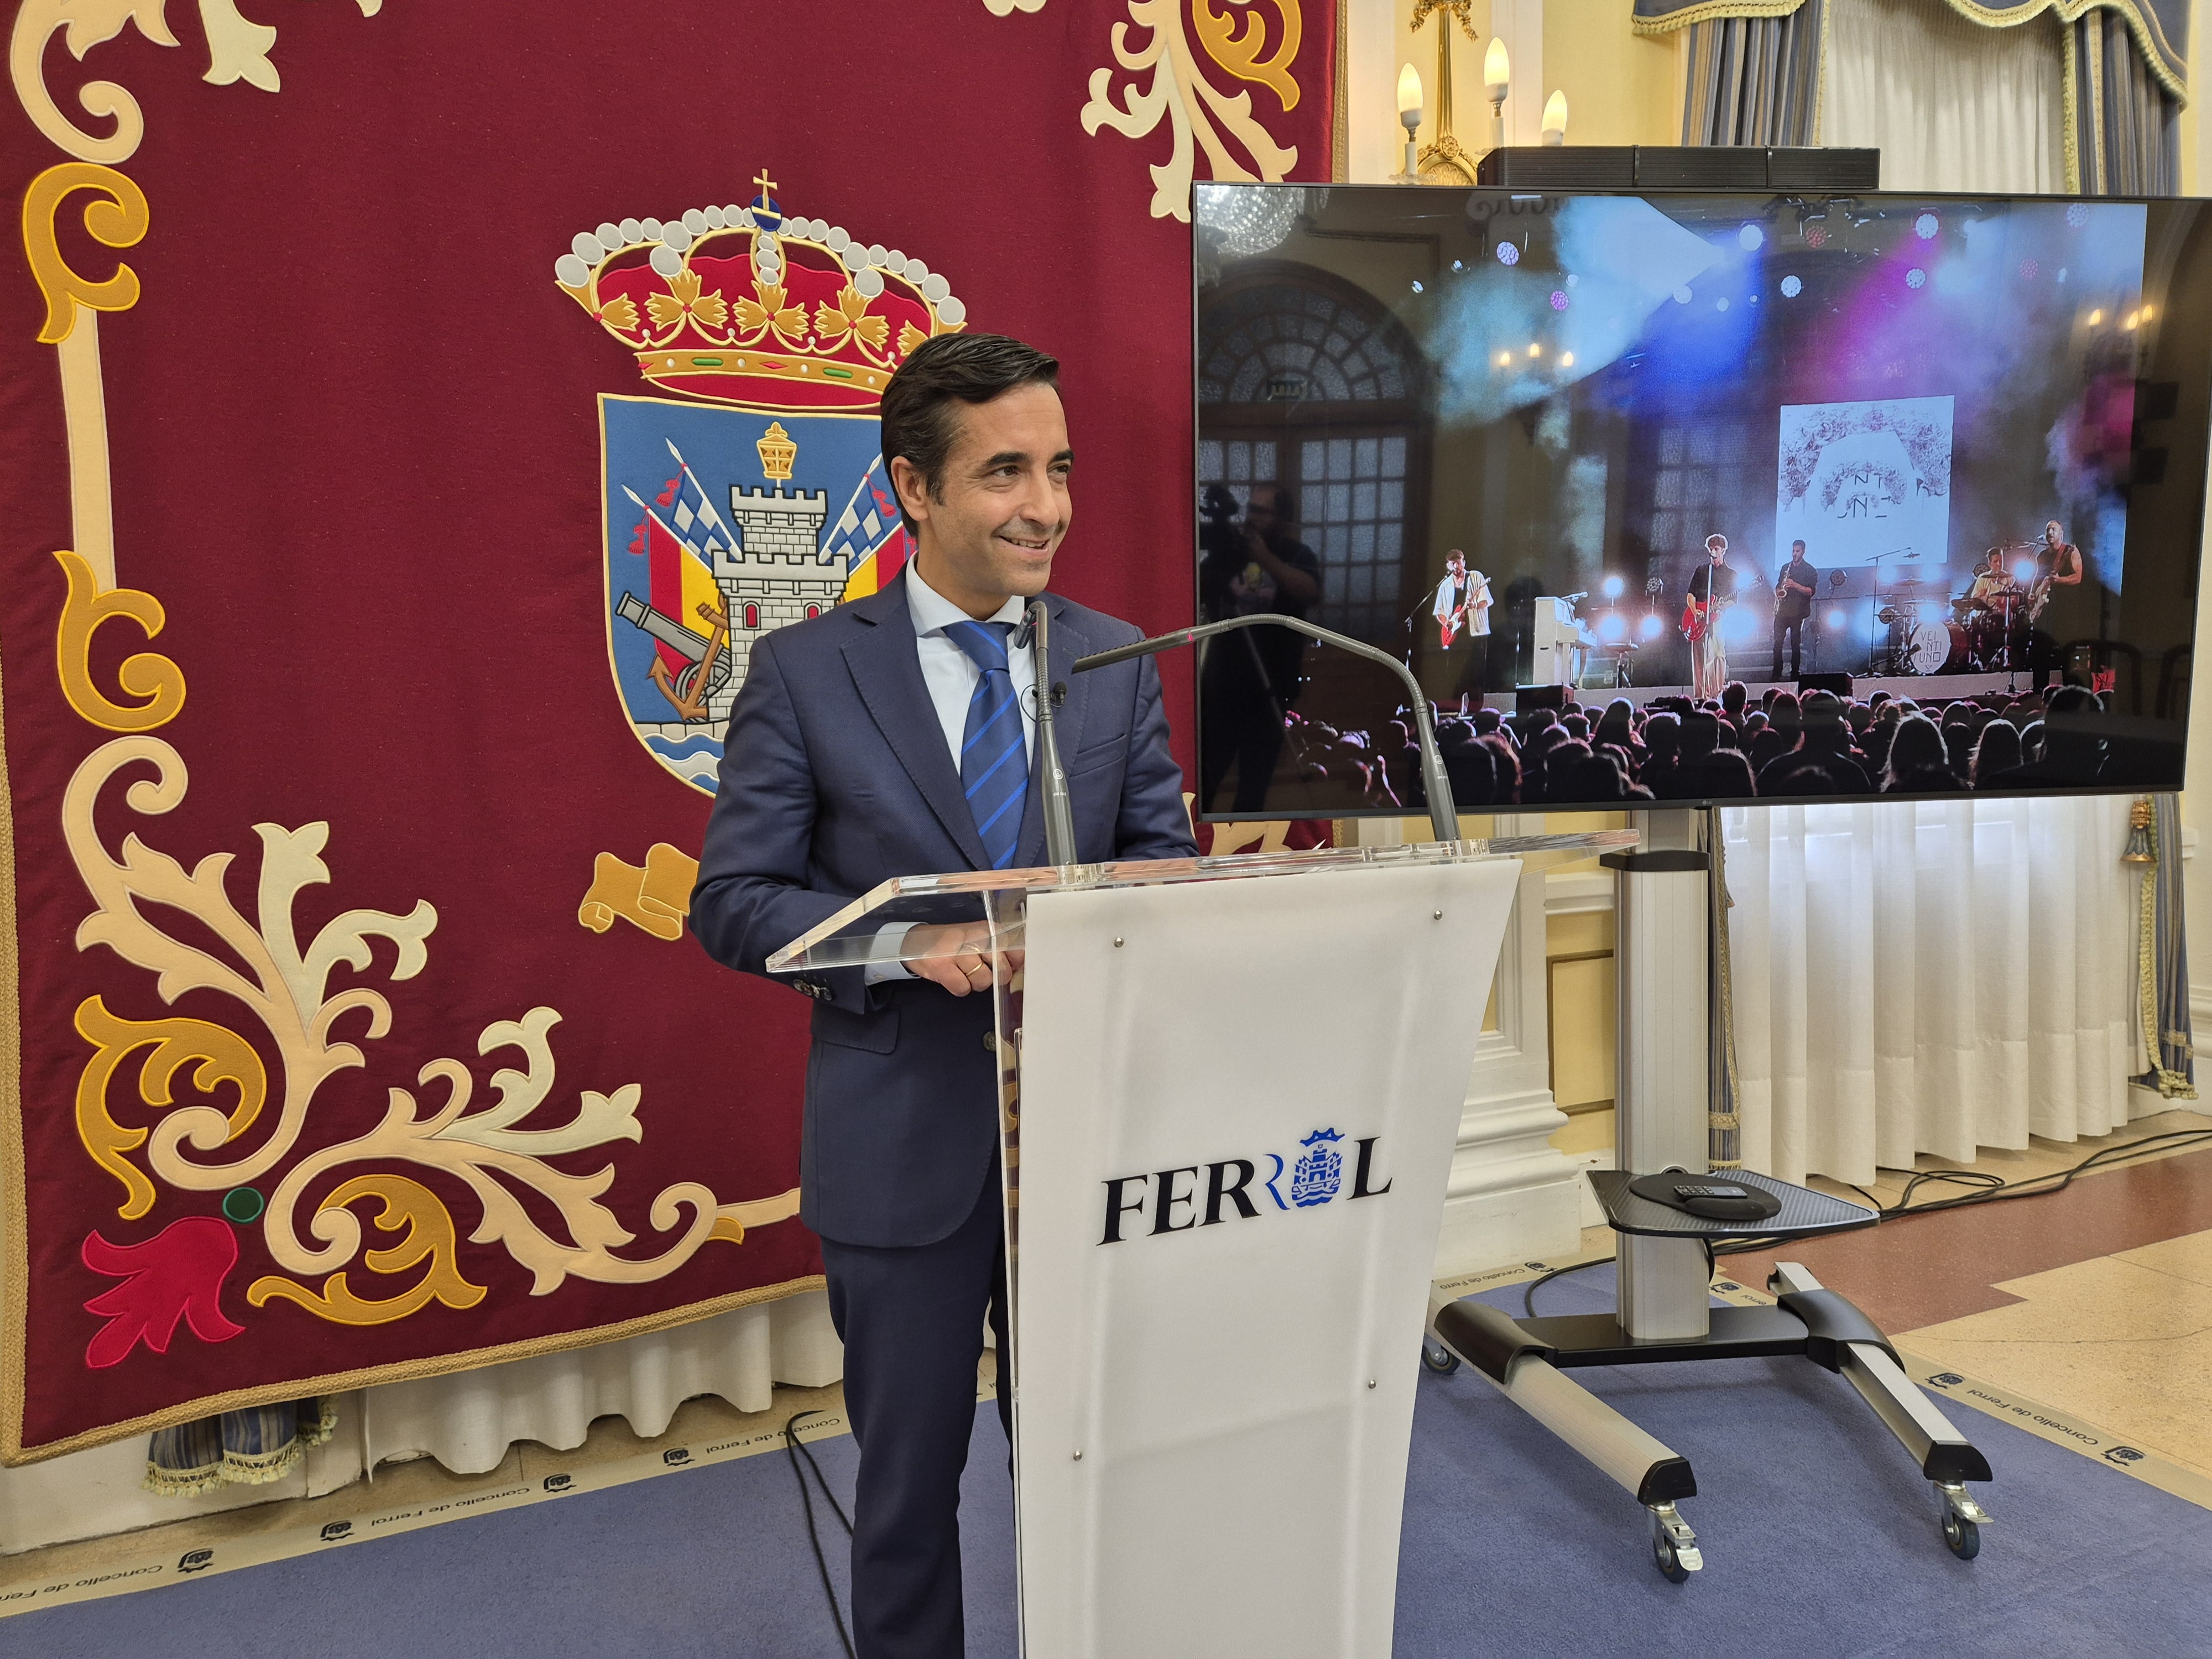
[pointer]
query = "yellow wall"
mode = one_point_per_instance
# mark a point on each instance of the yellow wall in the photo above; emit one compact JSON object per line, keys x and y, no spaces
{"x":1621,"y":86}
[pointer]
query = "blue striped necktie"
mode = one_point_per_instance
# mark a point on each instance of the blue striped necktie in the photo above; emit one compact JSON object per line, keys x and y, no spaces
{"x":994,"y":769}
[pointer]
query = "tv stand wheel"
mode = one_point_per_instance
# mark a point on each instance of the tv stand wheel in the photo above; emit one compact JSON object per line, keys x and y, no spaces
{"x":1963,"y":1537}
{"x":1962,"y":1519}
{"x":1437,"y":1358}
{"x":1673,"y":1546}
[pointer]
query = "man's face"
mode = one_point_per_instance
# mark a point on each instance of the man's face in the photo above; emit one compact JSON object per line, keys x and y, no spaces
{"x":1260,"y":512}
{"x":1457,"y":565}
{"x":2051,"y":533}
{"x":1718,"y":553}
{"x":1797,"y":551}
{"x":1002,"y":504}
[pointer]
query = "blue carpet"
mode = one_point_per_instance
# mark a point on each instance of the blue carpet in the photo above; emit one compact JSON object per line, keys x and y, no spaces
{"x":1820,"y":1540}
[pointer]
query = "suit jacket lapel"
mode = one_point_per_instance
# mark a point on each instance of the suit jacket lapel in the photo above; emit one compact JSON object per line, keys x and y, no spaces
{"x":1067,"y":643}
{"x":887,"y":671}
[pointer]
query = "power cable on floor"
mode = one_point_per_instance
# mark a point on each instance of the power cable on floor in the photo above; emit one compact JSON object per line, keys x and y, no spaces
{"x":1986,"y":1189}
{"x":793,"y":1448}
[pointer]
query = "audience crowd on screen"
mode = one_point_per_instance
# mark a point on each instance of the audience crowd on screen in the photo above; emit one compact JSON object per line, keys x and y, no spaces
{"x":1732,"y":748}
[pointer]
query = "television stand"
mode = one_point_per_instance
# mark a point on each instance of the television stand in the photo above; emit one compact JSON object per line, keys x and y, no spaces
{"x":1662,"y":1123}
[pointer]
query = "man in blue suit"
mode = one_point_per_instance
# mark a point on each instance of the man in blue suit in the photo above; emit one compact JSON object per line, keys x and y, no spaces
{"x":892,"y":736}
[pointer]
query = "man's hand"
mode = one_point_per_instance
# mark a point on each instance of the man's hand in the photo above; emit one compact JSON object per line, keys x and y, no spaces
{"x":959,"y":957}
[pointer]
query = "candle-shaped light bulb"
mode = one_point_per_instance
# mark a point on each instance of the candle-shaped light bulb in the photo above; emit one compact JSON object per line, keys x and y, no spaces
{"x":1555,"y":119}
{"x":1496,"y":70}
{"x":1409,"y":97}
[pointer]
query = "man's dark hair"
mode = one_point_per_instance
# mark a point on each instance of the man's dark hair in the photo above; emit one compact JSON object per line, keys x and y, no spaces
{"x":919,"y":421}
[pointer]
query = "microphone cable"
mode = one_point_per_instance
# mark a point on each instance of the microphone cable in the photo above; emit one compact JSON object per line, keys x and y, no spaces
{"x":794,"y":1449}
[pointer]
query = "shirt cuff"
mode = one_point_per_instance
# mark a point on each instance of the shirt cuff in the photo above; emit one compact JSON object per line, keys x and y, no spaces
{"x":880,"y":973}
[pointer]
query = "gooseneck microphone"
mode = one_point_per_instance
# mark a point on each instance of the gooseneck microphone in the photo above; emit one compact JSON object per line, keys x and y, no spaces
{"x":1059,"y":815}
{"x":1442,"y":819}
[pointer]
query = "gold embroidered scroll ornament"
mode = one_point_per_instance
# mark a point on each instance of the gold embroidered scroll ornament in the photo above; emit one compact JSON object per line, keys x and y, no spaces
{"x":656,"y":897}
{"x":1201,"y":117}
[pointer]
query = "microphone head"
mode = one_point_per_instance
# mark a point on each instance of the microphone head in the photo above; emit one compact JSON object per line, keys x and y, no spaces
{"x":1032,"y":619}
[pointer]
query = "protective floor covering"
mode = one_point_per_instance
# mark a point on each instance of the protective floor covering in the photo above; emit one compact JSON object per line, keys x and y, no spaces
{"x":1820,"y":1541}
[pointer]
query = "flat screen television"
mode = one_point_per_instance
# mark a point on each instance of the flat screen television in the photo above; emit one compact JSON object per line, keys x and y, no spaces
{"x":1722,"y":497}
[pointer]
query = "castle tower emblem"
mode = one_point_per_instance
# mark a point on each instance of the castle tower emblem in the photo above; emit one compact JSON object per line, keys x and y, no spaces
{"x":747,"y":491}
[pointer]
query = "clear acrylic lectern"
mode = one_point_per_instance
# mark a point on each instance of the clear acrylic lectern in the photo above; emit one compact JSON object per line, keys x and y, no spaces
{"x":1230,"y":1091}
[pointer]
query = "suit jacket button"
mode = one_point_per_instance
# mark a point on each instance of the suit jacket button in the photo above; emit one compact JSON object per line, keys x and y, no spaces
{"x":990,"y":1042}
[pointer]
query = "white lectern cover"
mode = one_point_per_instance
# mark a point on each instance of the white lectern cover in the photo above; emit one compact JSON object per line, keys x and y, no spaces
{"x":1231,"y":1099}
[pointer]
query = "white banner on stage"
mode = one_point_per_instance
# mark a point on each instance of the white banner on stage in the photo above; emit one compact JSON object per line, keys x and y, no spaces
{"x":1239,"y":1100}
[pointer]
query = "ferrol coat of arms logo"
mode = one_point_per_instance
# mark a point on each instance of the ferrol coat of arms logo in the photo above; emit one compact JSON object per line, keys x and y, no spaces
{"x":755,"y":496}
{"x":1320,"y":1172}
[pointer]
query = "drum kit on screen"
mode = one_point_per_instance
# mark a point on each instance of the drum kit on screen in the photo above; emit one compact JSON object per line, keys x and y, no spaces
{"x":1986,"y":631}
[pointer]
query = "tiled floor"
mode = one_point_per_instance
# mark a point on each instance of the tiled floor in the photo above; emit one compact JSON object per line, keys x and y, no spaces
{"x":2096,"y":1300}
{"x":2122,"y":1341}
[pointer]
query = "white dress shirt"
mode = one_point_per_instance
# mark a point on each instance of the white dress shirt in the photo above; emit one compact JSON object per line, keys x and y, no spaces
{"x":951,"y":673}
{"x":951,"y":676}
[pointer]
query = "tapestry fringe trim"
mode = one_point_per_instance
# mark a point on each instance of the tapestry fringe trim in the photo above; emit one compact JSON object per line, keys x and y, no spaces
{"x":236,"y":1468}
{"x":2171,"y":1084}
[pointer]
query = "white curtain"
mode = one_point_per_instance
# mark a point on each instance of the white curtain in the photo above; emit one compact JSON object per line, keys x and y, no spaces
{"x":1951,"y":105}
{"x":1928,"y":977}
{"x":466,"y":1420}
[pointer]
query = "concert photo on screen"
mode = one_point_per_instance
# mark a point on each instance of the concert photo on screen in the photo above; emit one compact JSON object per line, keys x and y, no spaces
{"x":1696,"y":497}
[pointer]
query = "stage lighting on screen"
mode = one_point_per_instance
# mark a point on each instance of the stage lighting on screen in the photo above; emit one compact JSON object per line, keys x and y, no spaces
{"x":1612,"y":587}
{"x":1613,"y":628}
{"x":1925,"y":227}
{"x":1916,"y":277}
{"x":1652,"y":626}
{"x":1751,"y":239}
{"x":1508,"y":254}
{"x":1836,"y":619}
{"x":1791,"y":288}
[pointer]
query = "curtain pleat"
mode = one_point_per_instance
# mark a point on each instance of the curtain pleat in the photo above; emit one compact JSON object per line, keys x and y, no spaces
{"x":2127,"y":127}
{"x":2170,"y":1040}
{"x":1929,"y":977}
{"x":1754,"y":80}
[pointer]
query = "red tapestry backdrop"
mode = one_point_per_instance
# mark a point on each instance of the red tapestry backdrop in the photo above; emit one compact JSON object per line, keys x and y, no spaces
{"x":411,"y":421}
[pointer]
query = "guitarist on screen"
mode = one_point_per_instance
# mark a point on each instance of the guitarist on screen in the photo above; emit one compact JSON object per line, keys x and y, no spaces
{"x":1712,"y":590}
{"x":2058,"y":573}
{"x":1462,"y":608}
